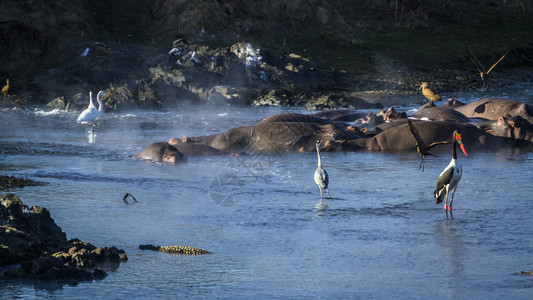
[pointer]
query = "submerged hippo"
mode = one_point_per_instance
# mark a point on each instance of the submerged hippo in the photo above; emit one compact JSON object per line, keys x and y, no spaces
{"x":452,"y":103}
{"x":161,"y":152}
{"x":516,"y":128}
{"x":439,"y":113}
{"x":279,"y":137}
{"x":276,"y":134}
{"x":295,"y":117}
{"x":391,"y":114}
{"x":340,"y":115}
{"x":235,"y":140}
{"x":399,"y":138}
{"x":190,"y":149}
{"x":493,"y":108}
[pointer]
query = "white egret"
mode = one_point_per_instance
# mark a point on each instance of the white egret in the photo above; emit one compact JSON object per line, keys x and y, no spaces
{"x":321,"y":176}
{"x":91,"y":115}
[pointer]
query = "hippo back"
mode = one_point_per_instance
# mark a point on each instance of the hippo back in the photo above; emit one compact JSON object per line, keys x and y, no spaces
{"x":493,"y":108}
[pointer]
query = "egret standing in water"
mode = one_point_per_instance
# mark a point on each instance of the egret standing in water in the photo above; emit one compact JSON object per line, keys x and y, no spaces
{"x":100,"y":106}
{"x":321,"y":176}
{"x":451,"y":175}
{"x":90,"y":115}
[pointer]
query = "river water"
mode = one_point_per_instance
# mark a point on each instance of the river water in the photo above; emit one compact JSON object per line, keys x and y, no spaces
{"x":382,"y":235}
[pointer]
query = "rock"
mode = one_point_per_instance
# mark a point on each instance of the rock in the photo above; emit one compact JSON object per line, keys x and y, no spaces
{"x":120,"y":98}
{"x":7,"y":182}
{"x":29,"y":236}
{"x":11,"y":200}
{"x":226,"y":94}
{"x":64,"y":103}
{"x":272,"y":98}
{"x":333,"y":100}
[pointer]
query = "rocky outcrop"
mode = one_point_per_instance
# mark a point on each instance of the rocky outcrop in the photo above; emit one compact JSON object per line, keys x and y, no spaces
{"x":241,"y":74}
{"x":30,"y":237}
{"x":176,"y":249}
{"x":7,"y":182}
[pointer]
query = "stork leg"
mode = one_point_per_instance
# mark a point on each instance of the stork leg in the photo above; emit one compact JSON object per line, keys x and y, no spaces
{"x":421,"y":166}
{"x":446,"y":203}
{"x":451,"y":201}
{"x":327,"y":190}
{"x":320,"y":189}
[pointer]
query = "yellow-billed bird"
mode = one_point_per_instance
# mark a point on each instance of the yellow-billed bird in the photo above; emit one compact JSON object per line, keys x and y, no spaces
{"x":451,"y":175}
{"x":421,"y":146}
{"x":428,"y":93}
{"x":5,"y":89}
{"x":478,"y":64}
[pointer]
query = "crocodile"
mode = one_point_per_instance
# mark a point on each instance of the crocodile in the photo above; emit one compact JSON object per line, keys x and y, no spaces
{"x":178,"y":249}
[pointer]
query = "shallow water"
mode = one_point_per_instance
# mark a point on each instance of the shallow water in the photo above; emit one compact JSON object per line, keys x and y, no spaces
{"x":382,"y":235}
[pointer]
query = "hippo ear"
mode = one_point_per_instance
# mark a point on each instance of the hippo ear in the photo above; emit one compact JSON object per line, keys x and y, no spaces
{"x":511,"y":123}
{"x":501,"y":120}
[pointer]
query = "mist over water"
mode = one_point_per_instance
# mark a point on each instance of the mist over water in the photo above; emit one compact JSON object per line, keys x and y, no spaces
{"x":382,"y":235}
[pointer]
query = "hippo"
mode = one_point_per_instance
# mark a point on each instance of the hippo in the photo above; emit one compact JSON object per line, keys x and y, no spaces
{"x":161,"y":152}
{"x":493,"y":108}
{"x":370,"y":120}
{"x":190,"y":149}
{"x":276,"y":134}
{"x":516,"y":128}
{"x":235,"y":140}
{"x":439,"y":113}
{"x":388,"y":125}
{"x":452,"y":103}
{"x":295,"y":117}
{"x":278,"y":137}
{"x":340,"y":115}
{"x":391,"y":114}
{"x":399,"y":138}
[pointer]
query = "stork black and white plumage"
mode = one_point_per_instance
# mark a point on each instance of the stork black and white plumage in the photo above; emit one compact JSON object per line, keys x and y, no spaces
{"x":421,"y":146}
{"x":451,"y":175}
{"x":321,"y":176}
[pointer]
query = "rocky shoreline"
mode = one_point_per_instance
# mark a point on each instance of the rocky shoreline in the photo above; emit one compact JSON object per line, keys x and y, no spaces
{"x":157,"y":78}
{"x":32,"y":246}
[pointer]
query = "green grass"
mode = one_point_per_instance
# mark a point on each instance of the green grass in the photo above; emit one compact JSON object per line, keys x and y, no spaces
{"x":493,"y":33}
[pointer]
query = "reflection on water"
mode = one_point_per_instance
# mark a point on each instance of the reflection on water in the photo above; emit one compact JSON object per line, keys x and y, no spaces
{"x":381,"y":236}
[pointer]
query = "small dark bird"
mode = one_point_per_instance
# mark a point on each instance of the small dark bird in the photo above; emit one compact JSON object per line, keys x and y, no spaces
{"x":5,"y":88}
{"x":421,"y":147}
{"x":478,"y":64}
{"x":451,"y":175}
{"x":126,"y":197}
{"x":428,"y":93}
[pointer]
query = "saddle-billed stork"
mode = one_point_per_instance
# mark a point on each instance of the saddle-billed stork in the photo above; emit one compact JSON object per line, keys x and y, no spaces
{"x":451,"y":175}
